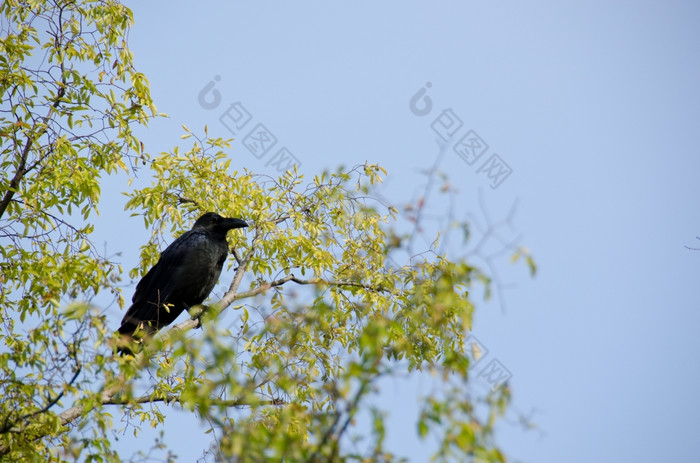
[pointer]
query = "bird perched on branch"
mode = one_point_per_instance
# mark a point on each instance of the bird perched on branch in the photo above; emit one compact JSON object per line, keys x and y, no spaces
{"x":185,"y":274}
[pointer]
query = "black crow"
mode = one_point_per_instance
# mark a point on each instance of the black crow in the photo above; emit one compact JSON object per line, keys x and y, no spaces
{"x":183,"y":277}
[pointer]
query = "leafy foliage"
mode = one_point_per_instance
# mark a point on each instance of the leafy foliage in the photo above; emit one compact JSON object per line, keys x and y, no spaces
{"x":70,"y":99}
{"x":321,"y":310}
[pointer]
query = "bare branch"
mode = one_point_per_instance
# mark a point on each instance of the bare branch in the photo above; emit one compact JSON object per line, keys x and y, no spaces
{"x":236,"y":256}
{"x":73,"y":413}
{"x":174,"y":398}
{"x":314,"y":281}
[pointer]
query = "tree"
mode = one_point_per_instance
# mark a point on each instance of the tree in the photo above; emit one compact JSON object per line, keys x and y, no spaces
{"x":323,"y":309}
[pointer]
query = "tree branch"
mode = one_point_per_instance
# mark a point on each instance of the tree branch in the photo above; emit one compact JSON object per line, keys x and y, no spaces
{"x":109,"y":398}
{"x":13,"y":427}
{"x":351,"y":410}
{"x":174,"y":398}
{"x":232,"y":295}
{"x":73,"y":413}
{"x":13,"y":186}
{"x":314,"y":281}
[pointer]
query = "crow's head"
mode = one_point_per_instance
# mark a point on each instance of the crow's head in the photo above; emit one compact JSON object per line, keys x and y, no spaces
{"x":216,"y":224}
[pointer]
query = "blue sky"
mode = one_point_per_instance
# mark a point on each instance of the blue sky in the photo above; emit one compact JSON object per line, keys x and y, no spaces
{"x":594,"y":108}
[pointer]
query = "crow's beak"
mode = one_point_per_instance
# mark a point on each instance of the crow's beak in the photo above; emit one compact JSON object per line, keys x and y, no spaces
{"x":235,"y":223}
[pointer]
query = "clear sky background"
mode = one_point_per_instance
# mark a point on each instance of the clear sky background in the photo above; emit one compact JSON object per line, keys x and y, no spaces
{"x":594,"y":108}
